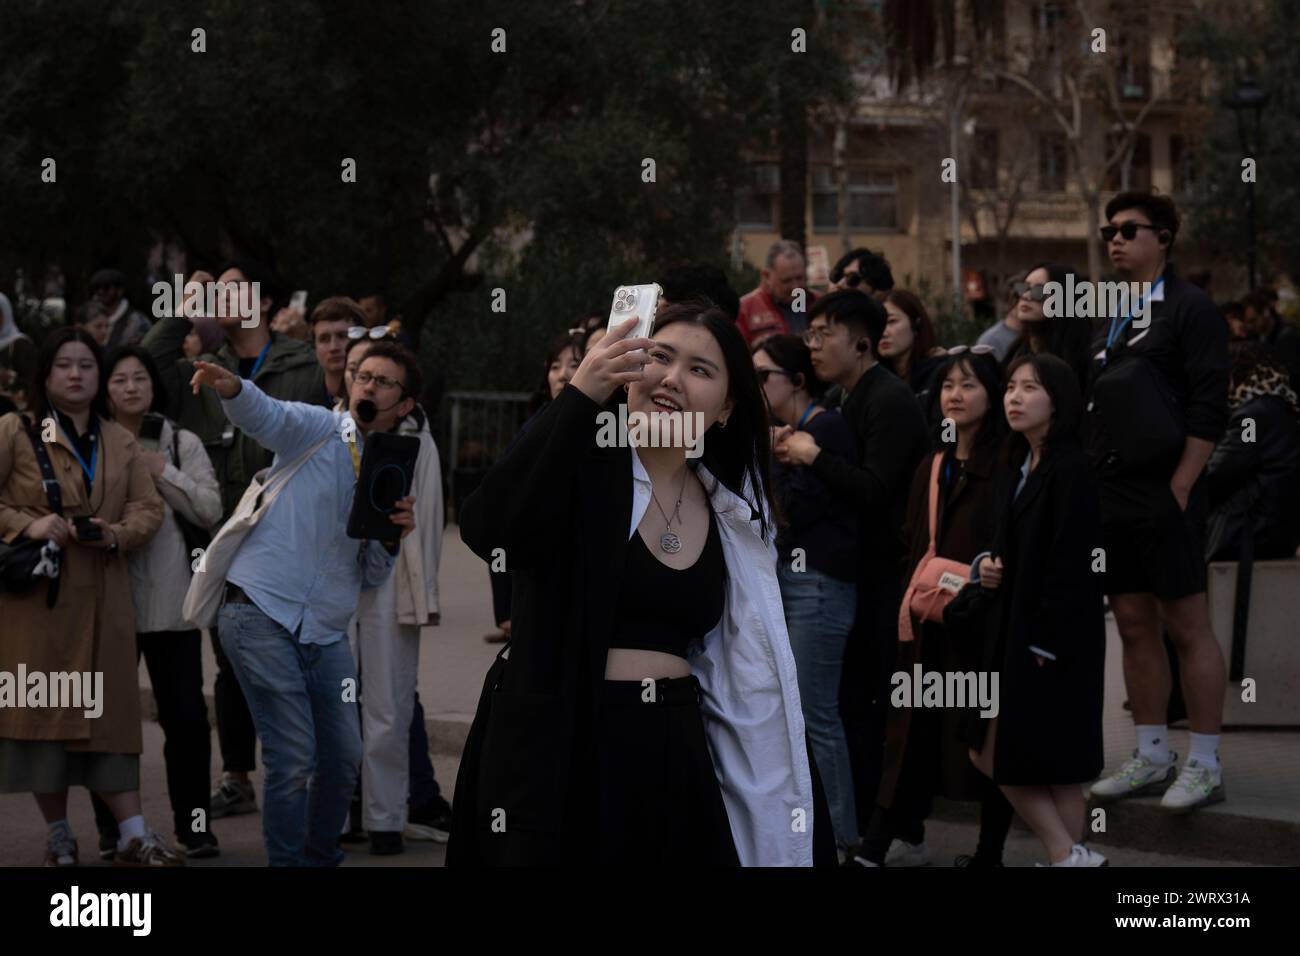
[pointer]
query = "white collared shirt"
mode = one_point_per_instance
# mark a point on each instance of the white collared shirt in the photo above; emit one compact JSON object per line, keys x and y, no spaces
{"x":752,"y":714}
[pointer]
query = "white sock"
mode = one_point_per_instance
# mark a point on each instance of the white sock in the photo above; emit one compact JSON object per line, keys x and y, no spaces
{"x":1205,"y":750}
{"x":59,"y":826}
{"x":130,"y":829}
{"x":1153,"y":742}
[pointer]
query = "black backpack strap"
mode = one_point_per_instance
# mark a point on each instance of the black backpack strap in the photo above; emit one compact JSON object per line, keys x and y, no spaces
{"x":53,"y":490}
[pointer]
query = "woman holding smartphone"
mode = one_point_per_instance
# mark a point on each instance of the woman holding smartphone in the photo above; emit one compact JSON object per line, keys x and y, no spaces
{"x":1047,"y":632}
{"x":647,"y":709}
{"x":109,"y":508}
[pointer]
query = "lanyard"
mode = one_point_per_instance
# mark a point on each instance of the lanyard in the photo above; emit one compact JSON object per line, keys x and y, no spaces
{"x":804,"y":417}
{"x":1113,"y":335}
{"x":261,"y":357}
{"x":89,"y":472}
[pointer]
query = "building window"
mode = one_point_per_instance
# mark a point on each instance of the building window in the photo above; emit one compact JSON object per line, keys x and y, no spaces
{"x":756,"y":203}
{"x":1051,"y":162}
{"x":1133,"y":68}
{"x":872,"y":199}
{"x":984,"y":159}
{"x":1139,"y":176}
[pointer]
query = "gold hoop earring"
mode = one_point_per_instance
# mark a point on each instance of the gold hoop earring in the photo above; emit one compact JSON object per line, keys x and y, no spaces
{"x":627,"y":387}
{"x":722,"y":424}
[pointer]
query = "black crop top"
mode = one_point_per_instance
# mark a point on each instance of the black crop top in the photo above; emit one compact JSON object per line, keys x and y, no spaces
{"x":663,"y":609}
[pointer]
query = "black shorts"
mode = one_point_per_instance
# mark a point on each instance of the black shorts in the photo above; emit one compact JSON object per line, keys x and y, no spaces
{"x":1153,"y":546}
{"x":660,"y":803}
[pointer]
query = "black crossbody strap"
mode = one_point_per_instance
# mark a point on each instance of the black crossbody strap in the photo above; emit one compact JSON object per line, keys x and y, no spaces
{"x":53,"y":490}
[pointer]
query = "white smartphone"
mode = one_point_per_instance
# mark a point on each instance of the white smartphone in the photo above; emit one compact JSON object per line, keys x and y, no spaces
{"x":641,"y":301}
{"x":298,"y":301}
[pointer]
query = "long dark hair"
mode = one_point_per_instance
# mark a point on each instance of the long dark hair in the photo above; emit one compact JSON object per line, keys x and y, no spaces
{"x":38,"y":401}
{"x":1067,"y":404}
{"x":1069,"y":339}
{"x":568,"y":342}
{"x":985,"y":368}
{"x":119,"y":355}
{"x":743,"y":449}
{"x":923,"y":337}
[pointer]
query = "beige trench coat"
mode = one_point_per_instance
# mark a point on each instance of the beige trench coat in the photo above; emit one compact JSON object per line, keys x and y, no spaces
{"x":92,"y":626}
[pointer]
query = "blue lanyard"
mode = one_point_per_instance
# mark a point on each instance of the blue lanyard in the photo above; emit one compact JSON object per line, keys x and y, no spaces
{"x":261,"y":357}
{"x":804,"y":417}
{"x":94,"y":452}
{"x":1113,"y":335}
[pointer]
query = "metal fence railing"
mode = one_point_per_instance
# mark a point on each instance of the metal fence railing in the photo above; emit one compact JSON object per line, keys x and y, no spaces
{"x":475,"y":428}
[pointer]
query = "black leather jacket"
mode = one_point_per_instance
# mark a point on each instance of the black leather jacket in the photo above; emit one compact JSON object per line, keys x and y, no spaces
{"x":1256,"y":481}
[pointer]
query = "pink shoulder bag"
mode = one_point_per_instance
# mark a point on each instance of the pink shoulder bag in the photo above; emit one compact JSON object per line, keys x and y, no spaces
{"x":936,"y":580}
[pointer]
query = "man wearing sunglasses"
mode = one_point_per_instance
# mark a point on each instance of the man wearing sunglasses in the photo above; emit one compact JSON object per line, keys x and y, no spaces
{"x":863,"y":270}
{"x":1157,"y":406}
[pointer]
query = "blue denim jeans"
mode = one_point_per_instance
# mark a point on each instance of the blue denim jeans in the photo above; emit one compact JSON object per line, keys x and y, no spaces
{"x":311,"y":737}
{"x":819,"y":614}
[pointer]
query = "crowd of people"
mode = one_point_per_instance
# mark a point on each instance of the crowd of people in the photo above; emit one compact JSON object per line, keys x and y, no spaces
{"x":157,"y":447}
{"x":700,"y":652}
{"x":1059,"y":465}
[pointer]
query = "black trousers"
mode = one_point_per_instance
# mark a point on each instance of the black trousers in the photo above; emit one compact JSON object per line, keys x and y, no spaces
{"x":175,"y":662}
{"x":235,"y":731}
{"x":659,"y":799}
{"x":864,"y":686}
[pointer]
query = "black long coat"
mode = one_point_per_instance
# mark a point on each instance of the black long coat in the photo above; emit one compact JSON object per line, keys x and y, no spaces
{"x":1049,"y":720}
{"x":935,"y":760}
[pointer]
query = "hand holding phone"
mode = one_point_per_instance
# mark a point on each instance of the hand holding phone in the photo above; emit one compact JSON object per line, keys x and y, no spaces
{"x":636,"y":301}
{"x":613,"y":361}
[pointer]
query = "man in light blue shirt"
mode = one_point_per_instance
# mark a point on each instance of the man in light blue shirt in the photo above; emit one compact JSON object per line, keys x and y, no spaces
{"x":292,"y":588}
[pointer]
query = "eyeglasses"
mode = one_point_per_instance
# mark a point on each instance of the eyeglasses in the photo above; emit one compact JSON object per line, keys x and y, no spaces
{"x":972,"y":349}
{"x":1128,"y":230}
{"x":765,"y":373}
{"x":815,"y":336}
{"x":1036,"y":291}
{"x":365,"y":378}
{"x":854,"y":279}
{"x":361,"y":332}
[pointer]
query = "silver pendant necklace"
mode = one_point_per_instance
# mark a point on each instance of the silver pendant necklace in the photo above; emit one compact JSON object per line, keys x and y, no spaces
{"x":669,"y":542}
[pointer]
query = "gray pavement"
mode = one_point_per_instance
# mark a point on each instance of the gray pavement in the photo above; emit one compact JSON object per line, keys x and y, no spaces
{"x":1259,"y":822}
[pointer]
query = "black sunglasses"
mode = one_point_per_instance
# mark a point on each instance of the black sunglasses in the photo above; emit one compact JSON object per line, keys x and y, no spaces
{"x":765,"y":373}
{"x":1036,"y":291}
{"x":854,"y":279}
{"x":1128,"y":230}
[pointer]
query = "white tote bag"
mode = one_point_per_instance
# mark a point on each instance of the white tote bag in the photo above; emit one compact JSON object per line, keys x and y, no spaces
{"x":208,"y":584}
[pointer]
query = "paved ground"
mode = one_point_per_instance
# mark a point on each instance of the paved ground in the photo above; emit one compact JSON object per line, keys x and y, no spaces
{"x":1260,"y":822}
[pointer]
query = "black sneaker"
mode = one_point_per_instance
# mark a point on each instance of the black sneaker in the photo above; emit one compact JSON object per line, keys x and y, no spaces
{"x":429,"y":823}
{"x":386,"y":843}
{"x":199,"y":846}
{"x":107,"y":845}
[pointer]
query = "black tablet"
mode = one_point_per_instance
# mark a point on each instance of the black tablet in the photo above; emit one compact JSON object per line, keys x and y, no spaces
{"x":387,"y":475}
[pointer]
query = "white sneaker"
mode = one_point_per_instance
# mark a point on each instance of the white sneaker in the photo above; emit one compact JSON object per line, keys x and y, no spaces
{"x":1080,"y":855}
{"x":1196,"y":786}
{"x":902,"y":853}
{"x":1138,"y":776}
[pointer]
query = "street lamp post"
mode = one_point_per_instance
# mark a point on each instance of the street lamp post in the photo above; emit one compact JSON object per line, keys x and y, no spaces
{"x":1249,"y":98}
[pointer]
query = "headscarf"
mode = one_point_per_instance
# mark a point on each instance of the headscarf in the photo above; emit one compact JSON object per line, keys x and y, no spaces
{"x":9,"y":333}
